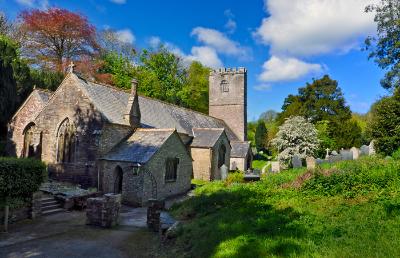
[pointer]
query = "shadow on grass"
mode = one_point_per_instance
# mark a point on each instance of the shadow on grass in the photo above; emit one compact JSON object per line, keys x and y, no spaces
{"x":237,"y":222}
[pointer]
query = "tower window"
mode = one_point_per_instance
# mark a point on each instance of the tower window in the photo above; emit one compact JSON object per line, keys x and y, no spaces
{"x":224,"y":86}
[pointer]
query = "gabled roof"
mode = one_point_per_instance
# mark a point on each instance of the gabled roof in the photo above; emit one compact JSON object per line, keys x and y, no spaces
{"x":239,"y":149}
{"x":112,"y":102}
{"x":206,"y":137}
{"x":140,"y":146}
{"x":43,"y":97}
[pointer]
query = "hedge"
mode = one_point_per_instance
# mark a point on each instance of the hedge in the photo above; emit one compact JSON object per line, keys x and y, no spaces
{"x":19,"y":178}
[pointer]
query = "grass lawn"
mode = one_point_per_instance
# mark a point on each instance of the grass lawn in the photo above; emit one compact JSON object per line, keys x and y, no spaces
{"x":350,"y":209}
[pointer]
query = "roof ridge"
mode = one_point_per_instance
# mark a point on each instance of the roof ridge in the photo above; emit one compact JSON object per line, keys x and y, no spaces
{"x":208,"y":128}
{"x":156,"y":129}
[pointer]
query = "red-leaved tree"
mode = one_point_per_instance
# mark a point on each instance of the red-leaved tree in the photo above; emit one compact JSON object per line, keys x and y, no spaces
{"x":55,"y":36}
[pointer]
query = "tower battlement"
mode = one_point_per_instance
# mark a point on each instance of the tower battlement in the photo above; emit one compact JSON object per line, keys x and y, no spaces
{"x":229,"y":70}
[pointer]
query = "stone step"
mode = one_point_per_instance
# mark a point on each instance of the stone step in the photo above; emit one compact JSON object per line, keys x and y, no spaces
{"x":47,"y":199}
{"x":49,"y":203}
{"x":50,"y":207}
{"x":52,"y":211}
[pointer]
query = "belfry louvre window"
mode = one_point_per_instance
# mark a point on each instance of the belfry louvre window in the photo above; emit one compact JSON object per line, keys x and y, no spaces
{"x":171,"y":169}
{"x":224,"y":86}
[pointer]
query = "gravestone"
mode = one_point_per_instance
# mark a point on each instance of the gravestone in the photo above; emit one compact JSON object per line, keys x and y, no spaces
{"x":335,"y":158}
{"x":311,"y":162}
{"x":364,"y":150}
{"x":356,"y":152}
{"x":334,"y":153}
{"x":372,"y":148}
{"x":346,"y":155}
{"x":320,"y":161}
{"x":224,"y":172}
{"x":275,"y":167}
{"x":296,"y":161}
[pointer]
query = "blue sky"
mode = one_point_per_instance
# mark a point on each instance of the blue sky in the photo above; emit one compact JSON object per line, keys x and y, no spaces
{"x":282,"y":43}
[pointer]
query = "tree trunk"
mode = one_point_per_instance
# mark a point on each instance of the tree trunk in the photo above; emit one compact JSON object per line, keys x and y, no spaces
{"x":6,"y":211}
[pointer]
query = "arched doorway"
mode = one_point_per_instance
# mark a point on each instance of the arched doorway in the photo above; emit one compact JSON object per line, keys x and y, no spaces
{"x":221,"y":155}
{"x":118,"y":180}
{"x":28,"y":148}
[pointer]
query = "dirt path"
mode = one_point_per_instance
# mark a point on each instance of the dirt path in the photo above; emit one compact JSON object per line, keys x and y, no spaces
{"x":66,"y":235}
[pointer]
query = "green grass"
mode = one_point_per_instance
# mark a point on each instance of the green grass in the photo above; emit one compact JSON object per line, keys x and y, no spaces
{"x":350,"y":209}
{"x":259,"y":164}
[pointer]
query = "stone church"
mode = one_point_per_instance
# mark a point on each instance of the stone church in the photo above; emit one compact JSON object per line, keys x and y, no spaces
{"x":99,"y":136}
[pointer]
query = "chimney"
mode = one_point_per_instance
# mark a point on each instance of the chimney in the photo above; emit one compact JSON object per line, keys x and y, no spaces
{"x":132,"y":113}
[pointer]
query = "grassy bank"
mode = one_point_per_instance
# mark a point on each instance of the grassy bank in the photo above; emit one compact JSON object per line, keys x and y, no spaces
{"x":351,"y":209}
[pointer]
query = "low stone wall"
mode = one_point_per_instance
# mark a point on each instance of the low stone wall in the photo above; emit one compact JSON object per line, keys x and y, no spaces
{"x":31,"y":210}
{"x":103,"y":211}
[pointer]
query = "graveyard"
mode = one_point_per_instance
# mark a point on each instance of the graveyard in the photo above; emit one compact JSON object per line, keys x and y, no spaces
{"x":342,"y":209}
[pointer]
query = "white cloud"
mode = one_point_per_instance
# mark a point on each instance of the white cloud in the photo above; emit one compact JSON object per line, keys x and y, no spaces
{"x":310,"y":27}
{"x":220,"y":42}
{"x":41,"y":4}
{"x":125,"y":36}
{"x":205,"y":55}
{"x":118,"y":1}
{"x":263,"y":87}
{"x":287,"y":69}
{"x":154,"y":42}
{"x":230,"y":25}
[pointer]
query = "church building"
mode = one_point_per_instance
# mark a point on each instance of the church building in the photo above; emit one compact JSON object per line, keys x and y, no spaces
{"x":100,"y":136}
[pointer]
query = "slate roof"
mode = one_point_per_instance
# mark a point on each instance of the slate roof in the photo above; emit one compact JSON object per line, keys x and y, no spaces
{"x":206,"y":137}
{"x":44,"y":95}
{"x":239,"y":149}
{"x":140,"y":146}
{"x":112,"y":102}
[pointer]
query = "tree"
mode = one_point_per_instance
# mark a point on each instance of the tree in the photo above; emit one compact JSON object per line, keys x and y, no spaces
{"x":384,"y":48}
{"x":261,"y":136}
{"x":296,"y":137}
{"x":318,"y":101}
{"x":269,"y":116}
{"x":109,"y":42}
{"x":55,"y":36}
{"x":194,"y":93}
{"x":161,"y":75}
{"x":384,"y":126}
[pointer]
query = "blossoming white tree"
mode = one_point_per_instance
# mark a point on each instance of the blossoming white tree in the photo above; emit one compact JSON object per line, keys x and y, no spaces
{"x":295,"y":137}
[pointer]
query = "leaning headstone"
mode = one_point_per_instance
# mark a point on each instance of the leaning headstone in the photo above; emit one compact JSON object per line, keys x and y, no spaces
{"x":364,"y":150}
{"x":311,"y":162}
{"x":346,"y":155}
{"x":356,"y":152}
{"x":224,"y":172}
{"x":334,"y":153}
{"x":320,"y":161}
{"x":275,"y":167}
{"x":372,"y":148}
{"x":296,"y":161}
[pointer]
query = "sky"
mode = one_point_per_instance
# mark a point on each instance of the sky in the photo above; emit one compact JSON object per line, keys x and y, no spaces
{"x":283,"y":43}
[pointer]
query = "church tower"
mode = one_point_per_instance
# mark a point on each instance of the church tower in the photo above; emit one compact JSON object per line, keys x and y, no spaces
{"x":228,"y":98}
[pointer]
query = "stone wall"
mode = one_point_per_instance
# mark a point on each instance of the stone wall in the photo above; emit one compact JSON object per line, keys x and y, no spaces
{"x":25,"y":115}
{"x":104,"y":211}
{"x":230,"y":106}
{"x":201,"y":163}
{"x":240,"y":164}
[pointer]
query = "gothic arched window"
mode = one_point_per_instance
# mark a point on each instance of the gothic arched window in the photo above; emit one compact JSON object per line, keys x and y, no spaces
{"x":224,"y":86}
{"x":66,"y":142}
{"x":28,"y":148}
{"x":221,"y":155}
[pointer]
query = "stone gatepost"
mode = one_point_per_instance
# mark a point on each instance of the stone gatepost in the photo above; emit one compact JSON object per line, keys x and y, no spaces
{"x":104,"y":211}
{"x":153,"y":214}
{"x":36,"y":205}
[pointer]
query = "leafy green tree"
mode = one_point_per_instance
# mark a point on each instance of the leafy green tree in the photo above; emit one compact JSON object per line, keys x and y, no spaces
{"x":194,"y":94}
{"x":384,"y":126}
{"x":161,"y":75}
{"x":120,"y":67}
{"x":346,"y":134}
{"x":384,"y":47}
{"x":261,"y":136}
{"x":318,"y":101}
{"x":251,"y":132}
{"x":269,"y":116}
{"x":326,"y":141}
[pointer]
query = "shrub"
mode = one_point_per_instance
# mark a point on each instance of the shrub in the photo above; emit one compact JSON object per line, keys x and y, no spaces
{"x":19,"y":178}
{"x":396,"y":154}
{"x":235,"y":177}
